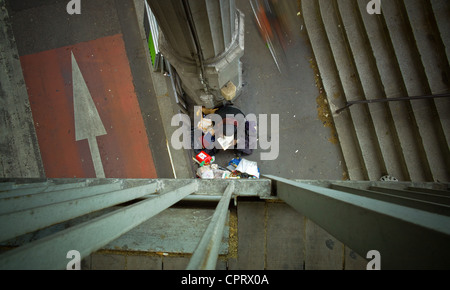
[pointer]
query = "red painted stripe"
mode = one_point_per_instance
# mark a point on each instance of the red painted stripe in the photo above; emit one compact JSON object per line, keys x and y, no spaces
{"x":125,"y":151}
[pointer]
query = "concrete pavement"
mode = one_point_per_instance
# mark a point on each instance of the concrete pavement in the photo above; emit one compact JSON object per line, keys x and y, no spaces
{"x":307,"y":147}
{"x":107,"y":46}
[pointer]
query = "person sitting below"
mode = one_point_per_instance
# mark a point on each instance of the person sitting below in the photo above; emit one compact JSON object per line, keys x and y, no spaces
{"x":236,"y":132}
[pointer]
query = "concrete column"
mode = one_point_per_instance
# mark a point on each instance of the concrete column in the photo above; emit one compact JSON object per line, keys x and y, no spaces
{"x":204,"y":41}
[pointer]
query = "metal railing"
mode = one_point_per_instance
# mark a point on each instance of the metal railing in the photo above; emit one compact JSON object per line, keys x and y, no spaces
{"x":408,"y":232}
{"x":407,"y":223}
{"x":33,"y":206}
{"x":351,"y":103}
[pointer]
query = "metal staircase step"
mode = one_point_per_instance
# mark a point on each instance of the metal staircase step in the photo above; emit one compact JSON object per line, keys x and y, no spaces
{"x":96,"y":233}
{"x":17,"y":200}
{"x":445,"y":193}
{"x":8,"y":186}
{"x":412,"y":194}
{"x":420,"y":204}
{"x":53,"y":213}
{"x":16,"y":190}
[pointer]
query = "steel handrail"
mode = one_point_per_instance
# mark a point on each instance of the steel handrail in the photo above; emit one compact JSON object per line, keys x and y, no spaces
{"x":351,"y":103}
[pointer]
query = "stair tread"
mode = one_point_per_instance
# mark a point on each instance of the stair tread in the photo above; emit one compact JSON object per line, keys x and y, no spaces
{"x":332,"y":87}
{"x":441,"y":9}
{"x":362,"y":123}
{"x":369,"y":77}
{"x":434,"y":62}
{"x":415,"y":86}
{"x":364,"y":57}
{"x":390,"y":78}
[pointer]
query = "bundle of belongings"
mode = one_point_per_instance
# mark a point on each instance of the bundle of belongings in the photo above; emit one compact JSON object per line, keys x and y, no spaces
{"x":224,"y":128}
{"x":238,"y":168}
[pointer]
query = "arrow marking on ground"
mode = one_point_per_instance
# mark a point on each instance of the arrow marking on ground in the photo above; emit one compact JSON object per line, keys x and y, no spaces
{"x":88,"y":124}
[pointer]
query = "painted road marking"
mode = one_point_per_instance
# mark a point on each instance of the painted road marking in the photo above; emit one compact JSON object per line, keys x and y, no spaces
{"x":50,"y":78}
{"x":88,"y":124}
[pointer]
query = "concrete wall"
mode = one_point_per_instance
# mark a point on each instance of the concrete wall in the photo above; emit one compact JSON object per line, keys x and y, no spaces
{"x":19,"y":151}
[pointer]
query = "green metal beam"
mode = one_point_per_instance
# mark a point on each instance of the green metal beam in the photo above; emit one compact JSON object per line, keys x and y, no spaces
{"x":21,"y":222}
{"x":51,"y":252}
{"x":206,"y":254}
{"x":406,"y":238}
{"x":432,"y":191}
{"x":412,"y":194}
{"x":17,"y":191}
{"x":58,"y":193}
{"x":12,"y":185}
{"x":391,"y":198}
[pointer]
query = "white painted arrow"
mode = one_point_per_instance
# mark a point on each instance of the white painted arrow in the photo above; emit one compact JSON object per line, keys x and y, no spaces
{"x":88,"y":124}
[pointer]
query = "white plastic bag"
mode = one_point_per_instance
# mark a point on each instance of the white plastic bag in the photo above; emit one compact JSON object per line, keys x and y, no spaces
{"x":249,"y":167}
{"x":205,"y":172}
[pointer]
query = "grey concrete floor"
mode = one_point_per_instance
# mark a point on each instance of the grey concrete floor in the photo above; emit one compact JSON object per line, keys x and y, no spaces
{"x":305,"y":149}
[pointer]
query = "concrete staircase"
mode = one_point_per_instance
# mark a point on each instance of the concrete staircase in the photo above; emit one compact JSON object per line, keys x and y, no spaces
{"x":402,"y":52}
